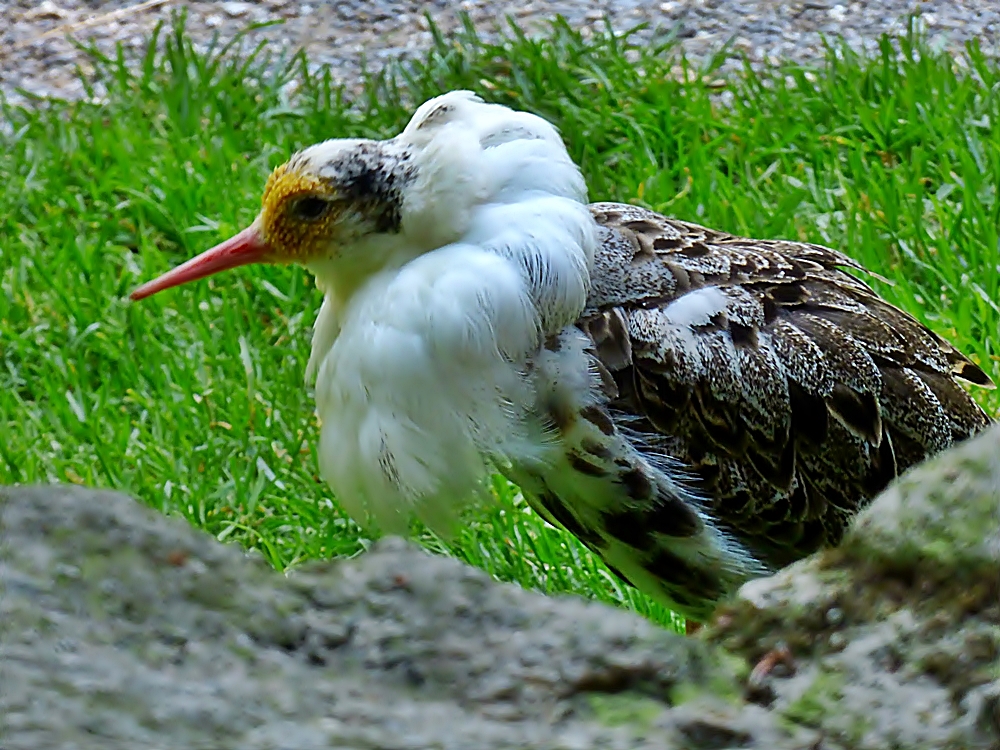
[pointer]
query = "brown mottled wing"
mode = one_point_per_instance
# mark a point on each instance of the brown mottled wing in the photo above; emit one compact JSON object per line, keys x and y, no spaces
{"x":796,"y":401}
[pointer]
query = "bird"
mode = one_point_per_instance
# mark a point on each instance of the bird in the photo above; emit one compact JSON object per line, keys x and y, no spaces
{"x":697,"y":408}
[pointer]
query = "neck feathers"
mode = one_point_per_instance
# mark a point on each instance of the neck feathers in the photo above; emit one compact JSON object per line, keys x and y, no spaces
{"x":531,"y":208}
{"x":480,"y":174}
{"x":422,"y":372}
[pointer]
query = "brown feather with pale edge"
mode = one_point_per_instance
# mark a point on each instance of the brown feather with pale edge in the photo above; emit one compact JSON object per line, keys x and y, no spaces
{"x":804,"y":397}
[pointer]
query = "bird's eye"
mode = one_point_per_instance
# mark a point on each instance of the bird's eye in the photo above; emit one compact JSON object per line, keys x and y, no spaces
{"x":310,"y":208}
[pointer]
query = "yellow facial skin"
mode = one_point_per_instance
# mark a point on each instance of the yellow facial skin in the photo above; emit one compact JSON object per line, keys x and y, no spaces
{"x":308,"y":217}
{"x":299,"y":214}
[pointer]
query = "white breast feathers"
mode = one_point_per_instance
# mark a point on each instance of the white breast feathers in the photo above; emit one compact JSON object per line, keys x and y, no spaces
{"x":422,"y":374}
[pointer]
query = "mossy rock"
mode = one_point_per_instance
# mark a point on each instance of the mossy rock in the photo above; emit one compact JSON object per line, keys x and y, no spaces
{"x":895,"y":635}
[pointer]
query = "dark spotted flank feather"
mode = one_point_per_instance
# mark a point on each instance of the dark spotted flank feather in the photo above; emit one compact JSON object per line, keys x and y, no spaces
{"x":794,"y":402}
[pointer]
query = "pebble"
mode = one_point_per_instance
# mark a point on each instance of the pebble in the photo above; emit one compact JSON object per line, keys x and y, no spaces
{"x":37,"y":57}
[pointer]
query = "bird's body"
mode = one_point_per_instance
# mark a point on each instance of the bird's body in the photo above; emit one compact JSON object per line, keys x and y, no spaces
{"x":696,"y":408}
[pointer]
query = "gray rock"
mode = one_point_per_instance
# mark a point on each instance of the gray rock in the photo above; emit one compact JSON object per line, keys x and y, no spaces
{"x":944,"y":515}
{"x":896,"y":634}
{"x":120,"y":628}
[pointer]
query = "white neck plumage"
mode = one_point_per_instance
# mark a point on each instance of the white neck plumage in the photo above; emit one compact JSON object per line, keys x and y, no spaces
{"x":420,"y":366}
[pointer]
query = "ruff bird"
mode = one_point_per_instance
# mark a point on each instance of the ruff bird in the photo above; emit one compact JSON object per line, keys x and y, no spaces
{"x":696,"y":408}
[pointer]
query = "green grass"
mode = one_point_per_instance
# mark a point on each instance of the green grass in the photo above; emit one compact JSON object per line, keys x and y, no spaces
{"x":193,"y":401}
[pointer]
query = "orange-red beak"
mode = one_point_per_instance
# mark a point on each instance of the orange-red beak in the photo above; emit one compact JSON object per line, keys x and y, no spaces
{"x":246,"y":247}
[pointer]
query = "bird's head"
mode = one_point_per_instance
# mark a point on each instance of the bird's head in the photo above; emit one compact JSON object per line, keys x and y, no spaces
{"x":350,"y":208}
{"x":334,"y":202}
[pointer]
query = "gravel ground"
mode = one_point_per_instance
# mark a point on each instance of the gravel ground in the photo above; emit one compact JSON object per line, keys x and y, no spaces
{"x":35,"y":54}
